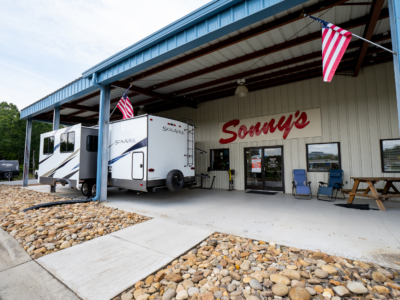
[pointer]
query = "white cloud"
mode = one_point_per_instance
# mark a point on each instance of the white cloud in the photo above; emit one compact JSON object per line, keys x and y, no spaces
{"x":46,"y":44}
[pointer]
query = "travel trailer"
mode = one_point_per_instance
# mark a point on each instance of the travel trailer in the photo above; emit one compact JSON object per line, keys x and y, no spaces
{"x":9,"y":169}
{"x":145,"y":153}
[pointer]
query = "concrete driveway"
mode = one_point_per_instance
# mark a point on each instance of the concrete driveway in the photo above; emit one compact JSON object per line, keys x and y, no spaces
{"x":311,"y":224}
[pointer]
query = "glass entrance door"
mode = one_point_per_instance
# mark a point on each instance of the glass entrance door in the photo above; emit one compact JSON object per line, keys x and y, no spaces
{"x":264,"y":168}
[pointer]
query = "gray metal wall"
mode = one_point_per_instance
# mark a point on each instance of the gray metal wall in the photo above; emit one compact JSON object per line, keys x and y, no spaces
{"x":357,"y":112}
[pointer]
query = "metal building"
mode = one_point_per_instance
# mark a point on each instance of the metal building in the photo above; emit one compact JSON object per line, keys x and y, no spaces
{"x":190,"y":69}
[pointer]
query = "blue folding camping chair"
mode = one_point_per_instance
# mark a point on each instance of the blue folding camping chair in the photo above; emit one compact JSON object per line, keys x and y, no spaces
{"x":300,"y":187}
{"x":335,"y":183}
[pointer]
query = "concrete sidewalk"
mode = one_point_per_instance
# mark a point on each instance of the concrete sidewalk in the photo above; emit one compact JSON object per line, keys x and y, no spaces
{"x":23,"y":278}
{"x":104,"y":267}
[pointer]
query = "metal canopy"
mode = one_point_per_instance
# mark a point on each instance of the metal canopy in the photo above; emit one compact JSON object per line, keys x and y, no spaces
{"x":274,"y":50}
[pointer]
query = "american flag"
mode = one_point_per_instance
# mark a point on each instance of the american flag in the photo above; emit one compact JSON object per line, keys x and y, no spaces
{"x":334,"y":44}
{"x":125,"y":106}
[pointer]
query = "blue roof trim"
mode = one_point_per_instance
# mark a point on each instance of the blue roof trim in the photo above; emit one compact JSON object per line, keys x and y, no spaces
{"x":164,"y":33}
{"x":74,"y":90}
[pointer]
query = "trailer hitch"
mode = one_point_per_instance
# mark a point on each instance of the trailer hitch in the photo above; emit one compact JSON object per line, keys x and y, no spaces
{"x":63,"y":182}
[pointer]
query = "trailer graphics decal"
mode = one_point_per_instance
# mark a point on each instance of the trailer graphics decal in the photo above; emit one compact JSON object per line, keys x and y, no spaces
{"x":70,"y":175}
{"x":124,"y":141}
{"x":165,"y":128}
{"x":54,"y":150}
{"x":141,"y":144}
{"x":75,"y":167}
{"x":69,"y":158}
{"x":45,"y":159}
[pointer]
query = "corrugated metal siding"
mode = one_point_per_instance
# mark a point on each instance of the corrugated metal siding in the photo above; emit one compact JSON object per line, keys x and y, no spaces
{"x":357,"y":112}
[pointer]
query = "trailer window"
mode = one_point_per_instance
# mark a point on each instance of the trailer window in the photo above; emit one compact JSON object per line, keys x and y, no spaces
{"x":48,"y":145}
{"x":67,"y":142}
{"x":219,"y":159}
{"x":91,"y":143}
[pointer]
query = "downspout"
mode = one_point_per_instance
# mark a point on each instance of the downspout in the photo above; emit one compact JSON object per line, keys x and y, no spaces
{"x":100,"y":138}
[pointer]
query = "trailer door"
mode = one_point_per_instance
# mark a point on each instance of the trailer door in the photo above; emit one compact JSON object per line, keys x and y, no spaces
{"x":137,"y":165}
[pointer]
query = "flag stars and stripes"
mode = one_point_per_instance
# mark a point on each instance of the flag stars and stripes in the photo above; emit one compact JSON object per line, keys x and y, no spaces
{"x":125,"y":106}
{"x":334,"y":44}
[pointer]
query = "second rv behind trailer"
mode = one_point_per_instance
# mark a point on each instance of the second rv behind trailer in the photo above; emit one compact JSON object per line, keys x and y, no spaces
{"x":145,"y":152}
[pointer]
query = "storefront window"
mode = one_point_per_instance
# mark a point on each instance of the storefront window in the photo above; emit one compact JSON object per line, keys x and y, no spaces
{"x":219,"y":159}
{"x":390,"y":156}
{"x":323,"y":157}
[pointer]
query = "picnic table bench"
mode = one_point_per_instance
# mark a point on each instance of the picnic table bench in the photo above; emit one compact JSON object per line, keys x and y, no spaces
{"x":378,"y":194}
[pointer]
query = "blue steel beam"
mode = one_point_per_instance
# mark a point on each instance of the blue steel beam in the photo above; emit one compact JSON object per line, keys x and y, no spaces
{"x":394,"y":15}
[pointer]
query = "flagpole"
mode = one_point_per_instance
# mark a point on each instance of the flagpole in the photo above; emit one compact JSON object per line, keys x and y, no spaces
{"x":372,"y":43}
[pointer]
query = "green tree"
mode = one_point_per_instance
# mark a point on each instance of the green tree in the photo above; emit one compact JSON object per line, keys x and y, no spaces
{"x":12,"y":134}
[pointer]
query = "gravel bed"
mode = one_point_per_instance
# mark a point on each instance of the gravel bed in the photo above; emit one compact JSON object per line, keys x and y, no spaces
{"x":47,"y":230}
{"x":228,"y":267}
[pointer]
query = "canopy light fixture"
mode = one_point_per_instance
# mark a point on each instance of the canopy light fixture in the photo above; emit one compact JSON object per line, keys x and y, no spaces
{"x":141,"y":110}
{"x":241,"y":90}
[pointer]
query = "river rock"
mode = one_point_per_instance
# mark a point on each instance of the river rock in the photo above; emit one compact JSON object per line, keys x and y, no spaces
{"x":291,"y":274}
{"x":173,"y":277}
{"x":378,"y":277}
{"x":331,"y":270}
{"x":381,"y":289}
{"x":341,"y":290}
{"x":127,"y":296}
{"x":299,"y":293}
{"x":280,"y":289}
{"x":192,"y":291}
{"x":169,"y":294}
{"x":357,"y":287}
{"x":182,"y":295}
{"x":276,"y":278}
{"x":255,"y":284}
{"x":321,"y":273}
{"x":65,"y":245}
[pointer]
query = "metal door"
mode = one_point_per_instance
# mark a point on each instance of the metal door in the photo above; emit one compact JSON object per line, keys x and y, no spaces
{"x":264,"y":168}
{"x":137,"y":165}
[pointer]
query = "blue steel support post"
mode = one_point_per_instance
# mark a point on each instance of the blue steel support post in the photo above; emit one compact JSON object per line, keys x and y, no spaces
{"x":394,"y":14}
{"x":100,"y":139}
{"x":27,"y":151}
{"x":56,"y":118}
{"x":105,"y":133}
{"x":56,"y":126}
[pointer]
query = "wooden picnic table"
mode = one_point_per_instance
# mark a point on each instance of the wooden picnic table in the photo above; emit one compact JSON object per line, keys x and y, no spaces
{"x":385,"y":193}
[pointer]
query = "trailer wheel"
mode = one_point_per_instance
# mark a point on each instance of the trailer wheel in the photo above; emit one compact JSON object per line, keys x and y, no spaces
{"x":174,"y":180}
{"x":86,"y":188}
{"x":93,"y":191}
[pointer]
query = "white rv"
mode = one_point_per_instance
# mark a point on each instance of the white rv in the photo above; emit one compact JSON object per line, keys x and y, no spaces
{"x":145,"y":152}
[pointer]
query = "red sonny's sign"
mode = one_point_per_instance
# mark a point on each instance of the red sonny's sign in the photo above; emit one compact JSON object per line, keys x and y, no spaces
{"x":285,"y":124}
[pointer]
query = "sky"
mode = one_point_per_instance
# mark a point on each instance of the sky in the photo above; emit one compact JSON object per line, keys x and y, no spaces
{"x":45,"y":44}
